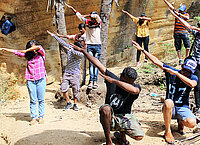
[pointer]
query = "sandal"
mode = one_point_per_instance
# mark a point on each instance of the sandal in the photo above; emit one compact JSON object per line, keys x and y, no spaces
{"x":117,"y":136}
{"x":169,"y":138}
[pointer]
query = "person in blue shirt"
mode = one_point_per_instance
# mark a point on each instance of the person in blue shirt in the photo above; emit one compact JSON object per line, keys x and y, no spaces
{"x":6,"y":26}
{"x":179,"y":84}
{"x":195,"y":50}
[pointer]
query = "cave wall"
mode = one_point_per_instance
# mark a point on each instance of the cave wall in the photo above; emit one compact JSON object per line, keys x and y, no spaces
{"x":32,"y":21}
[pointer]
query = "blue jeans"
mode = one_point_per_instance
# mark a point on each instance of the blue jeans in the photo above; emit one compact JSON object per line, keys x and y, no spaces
{"x":37,"y":91}
{"x":94,"y":50}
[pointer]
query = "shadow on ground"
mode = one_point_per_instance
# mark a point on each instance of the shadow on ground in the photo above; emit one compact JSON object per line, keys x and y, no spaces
{"x":19,"y":116}
{"x":64,"y":137}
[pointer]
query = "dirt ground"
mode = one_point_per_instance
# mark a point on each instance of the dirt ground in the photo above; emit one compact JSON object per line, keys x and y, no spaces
{"x":81,"y":127}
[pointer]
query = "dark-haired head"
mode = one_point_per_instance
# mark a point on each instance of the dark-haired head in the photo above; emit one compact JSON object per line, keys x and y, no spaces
{"x":30,"y":54}
{"x":128,"y":75}
{"x":81,"y":25}
{"x":30,"y":43}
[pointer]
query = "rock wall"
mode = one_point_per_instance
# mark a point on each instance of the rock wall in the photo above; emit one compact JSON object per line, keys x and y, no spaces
{"x":32,"y":21}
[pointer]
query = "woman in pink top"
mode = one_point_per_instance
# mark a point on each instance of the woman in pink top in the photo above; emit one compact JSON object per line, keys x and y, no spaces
{"x":35,"y":74}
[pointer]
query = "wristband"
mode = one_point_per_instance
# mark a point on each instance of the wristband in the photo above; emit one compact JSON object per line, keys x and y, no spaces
{"x":142,"y":50}
{"x":76,"y":12}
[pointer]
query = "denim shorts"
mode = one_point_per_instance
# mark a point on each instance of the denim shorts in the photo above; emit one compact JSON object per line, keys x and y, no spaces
{"x":182,"y":113}
{"x":179,"y":37}
{"x":125,"y":122}
{"x":95,"y":48}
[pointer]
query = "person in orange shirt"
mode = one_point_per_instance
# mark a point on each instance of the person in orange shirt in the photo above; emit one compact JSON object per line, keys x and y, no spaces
{"x":142,"y":33}
{"x":180,"y":31}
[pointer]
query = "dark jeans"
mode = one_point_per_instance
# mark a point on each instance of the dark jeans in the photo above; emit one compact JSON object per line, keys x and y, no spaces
{"x":179,"y":37}
{"x":141,"y":40}
{"x":197,"y":88}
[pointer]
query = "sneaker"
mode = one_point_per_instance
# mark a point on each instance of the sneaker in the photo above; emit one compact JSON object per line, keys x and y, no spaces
{"x":145,"y":60}
{"x":75,"y":107}
{"x":95,"y":86}
{"x":41,"y":121}
{"x":90,"y":85}
{"x":68,"y":106}
{"x":180,"y":62}
{"x":33,"y":122}
{"x":138,"y":64}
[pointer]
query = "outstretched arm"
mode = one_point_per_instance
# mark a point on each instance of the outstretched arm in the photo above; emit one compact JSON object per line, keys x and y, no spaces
{"x":154,"y":59}
{"x":91,"y":58}
{"x":131,"y":16}
{"x":33,"y":48}
{"x":82,"y":18}
{"x":169,"y":5}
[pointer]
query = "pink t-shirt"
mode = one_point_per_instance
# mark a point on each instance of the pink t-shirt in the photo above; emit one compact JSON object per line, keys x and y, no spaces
{"x":35,"y":69}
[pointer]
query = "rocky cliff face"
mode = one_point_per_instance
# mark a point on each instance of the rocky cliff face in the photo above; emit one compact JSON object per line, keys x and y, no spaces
{"x":32,"y":21}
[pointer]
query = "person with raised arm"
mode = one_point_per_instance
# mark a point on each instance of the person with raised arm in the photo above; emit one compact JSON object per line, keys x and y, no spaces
{"x":93,"y":41}
{"x":72,"y":73}
{"x":195,"y":50}
{"x":180,"y":32}
{"x":35,"y":75}
{"x":80,"y":38}
{"x":179,"y":84}
{"x":115,"y":114}
{"x":142,"y":33}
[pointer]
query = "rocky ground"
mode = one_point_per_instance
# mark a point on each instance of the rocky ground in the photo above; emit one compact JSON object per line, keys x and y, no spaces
{"x":83,"y":127}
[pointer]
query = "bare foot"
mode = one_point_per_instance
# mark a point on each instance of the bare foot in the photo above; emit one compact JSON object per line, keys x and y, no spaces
{"x":169,"y":138}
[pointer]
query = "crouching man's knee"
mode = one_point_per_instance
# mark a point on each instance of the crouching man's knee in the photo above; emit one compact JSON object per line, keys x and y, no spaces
{"x":190,"y":122}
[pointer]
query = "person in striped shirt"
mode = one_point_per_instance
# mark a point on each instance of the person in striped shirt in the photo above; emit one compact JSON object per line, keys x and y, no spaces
{"x":72,"y":73}
{"x":80,"y":37}
{"x":180,"y":31}
{"x":142,"y":33}
{"x":35,"y":74}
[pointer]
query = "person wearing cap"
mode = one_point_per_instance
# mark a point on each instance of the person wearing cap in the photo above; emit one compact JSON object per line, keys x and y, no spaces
{"x":93,"y":41}
{"x":179,"y":84}
{"x":180,"y":31}
{"x":195,"y":31}
{"x":142,"y":33}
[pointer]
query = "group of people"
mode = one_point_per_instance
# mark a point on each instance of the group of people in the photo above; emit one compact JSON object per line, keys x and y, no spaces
{"x":115,"y":114}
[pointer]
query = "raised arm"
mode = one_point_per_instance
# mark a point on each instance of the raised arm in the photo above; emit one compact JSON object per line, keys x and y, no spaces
{"x":82,"y":18}
{"x":131,"y":16}
{"x":169,"y":5}
{"x":154,"y":59}
{"x":92,"y":59}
